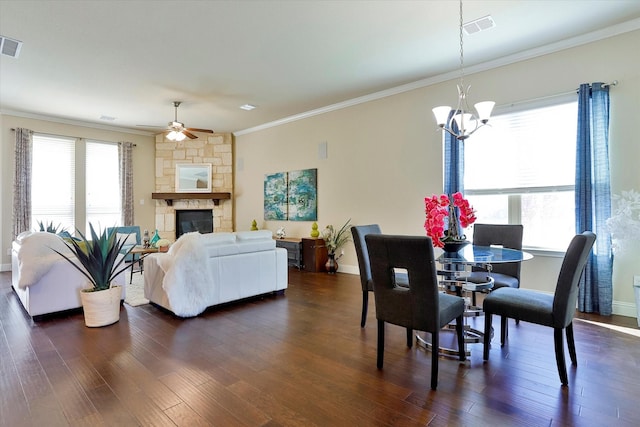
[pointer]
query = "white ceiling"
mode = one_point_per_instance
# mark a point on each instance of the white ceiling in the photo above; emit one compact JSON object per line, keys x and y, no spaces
{"x":130,"y":59}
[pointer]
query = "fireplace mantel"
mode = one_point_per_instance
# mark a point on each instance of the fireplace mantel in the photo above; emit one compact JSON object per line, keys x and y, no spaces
{"x":170,"y":197}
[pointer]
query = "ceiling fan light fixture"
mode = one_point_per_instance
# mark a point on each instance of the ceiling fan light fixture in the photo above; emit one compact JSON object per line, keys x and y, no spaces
{"x":175,"y":136}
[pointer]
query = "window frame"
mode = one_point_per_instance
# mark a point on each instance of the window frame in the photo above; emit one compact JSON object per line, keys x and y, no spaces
{"x":514,"y":194}
{"x":80,"y":201}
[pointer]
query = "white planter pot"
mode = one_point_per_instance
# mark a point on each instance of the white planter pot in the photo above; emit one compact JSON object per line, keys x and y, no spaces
{"x":101,"y":308}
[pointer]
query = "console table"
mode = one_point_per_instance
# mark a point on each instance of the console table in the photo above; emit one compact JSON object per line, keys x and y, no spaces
{"x":314,"y":254}
{"x":294,"y":250}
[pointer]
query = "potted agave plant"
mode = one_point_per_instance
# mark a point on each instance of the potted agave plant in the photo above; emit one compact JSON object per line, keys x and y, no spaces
{"x":98,"y":259}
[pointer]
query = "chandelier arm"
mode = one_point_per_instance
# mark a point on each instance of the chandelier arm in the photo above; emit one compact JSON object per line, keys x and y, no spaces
{"x":463,"y":112}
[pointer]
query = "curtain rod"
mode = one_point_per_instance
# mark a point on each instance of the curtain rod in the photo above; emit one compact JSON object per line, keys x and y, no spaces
{"x":77,"y":137}
{"x":613,"y":83}
{"x":544,"y":98}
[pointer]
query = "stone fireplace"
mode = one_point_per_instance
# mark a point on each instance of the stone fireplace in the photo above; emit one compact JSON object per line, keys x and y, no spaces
{"x":216,"y":149}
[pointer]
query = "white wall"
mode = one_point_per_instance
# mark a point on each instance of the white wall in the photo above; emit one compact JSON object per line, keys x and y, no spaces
{"x":384,"y":156}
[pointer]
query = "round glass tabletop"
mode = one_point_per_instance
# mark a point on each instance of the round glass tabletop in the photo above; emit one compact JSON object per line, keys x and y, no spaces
{"x":473,"y":254}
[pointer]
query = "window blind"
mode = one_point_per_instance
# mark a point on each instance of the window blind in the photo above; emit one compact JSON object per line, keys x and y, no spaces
{"x":53,"y":181}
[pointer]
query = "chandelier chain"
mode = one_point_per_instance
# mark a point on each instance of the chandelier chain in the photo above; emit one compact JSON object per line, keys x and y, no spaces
{"x":461,"y":48}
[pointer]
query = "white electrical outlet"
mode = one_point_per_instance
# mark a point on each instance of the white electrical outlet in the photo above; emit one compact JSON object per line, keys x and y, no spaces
{"x":636,"y":280}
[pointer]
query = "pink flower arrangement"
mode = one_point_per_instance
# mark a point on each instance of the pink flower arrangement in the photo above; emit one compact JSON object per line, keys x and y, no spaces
{"x":437,"y":208}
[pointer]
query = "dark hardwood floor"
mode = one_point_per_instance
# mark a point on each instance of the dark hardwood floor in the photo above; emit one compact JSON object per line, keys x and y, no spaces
{"x":300,"y":359}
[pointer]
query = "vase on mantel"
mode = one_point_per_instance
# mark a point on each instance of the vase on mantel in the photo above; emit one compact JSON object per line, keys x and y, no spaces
{"x":332,"y":264}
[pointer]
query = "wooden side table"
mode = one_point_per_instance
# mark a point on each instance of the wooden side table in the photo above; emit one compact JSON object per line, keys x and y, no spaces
{"x":142,"y":251}
{"x":314,"y":254}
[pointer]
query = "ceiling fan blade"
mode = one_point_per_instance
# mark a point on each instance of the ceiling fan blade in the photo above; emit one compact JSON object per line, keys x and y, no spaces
{"x":189,"y":134}
{"x":200,"y":130}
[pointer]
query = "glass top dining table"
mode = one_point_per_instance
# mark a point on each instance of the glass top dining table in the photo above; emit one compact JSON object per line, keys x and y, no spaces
{"x":473,"y":254}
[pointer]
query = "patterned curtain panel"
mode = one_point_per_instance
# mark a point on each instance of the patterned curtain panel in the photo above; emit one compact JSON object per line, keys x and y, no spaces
{"x":22,"y":182}
{"x":125,"y":153}
{"x":593,"y":196}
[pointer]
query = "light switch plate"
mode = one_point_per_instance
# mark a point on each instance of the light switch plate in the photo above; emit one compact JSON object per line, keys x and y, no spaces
{"x":636,"y":280}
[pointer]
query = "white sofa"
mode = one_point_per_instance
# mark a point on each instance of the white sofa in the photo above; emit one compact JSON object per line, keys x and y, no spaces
{"x":204,"y":270}
{"x":44,"y":281}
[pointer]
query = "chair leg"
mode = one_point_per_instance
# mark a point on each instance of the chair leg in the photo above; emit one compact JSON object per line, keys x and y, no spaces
{"x":435,"y":354}
{"x":571,"y":344}
{"x":409,"y":337}
{"x":562,"y":367}
{"x":473,"y":298}
{"x":380,"y":343}
{"x":462,"y":354}
{"x":504,"y":328}
{"x":365,"y":307}
{"x":487,"y":335}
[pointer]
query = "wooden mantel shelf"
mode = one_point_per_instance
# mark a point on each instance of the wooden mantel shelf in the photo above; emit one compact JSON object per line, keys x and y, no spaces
{"x":170,"y":197}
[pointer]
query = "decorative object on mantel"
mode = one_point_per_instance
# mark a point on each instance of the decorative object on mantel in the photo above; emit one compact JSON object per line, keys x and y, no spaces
{"x":624,"y":224}
{"x":98,"y":259}
{"x":461,"y":122}
{"x":280,"y":233}
{"x":254,"y":225}
{"x":334,"y":241}
{"x":458,"y":212}
{"x":314,"y":230}
{"x":193,"y":178}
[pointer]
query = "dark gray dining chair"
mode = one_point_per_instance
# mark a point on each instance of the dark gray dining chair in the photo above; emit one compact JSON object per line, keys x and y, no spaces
{"x":359,"y":232}
{"x":555,"y":311}
{"x":505,"y":235}
{"x":418,"y":306}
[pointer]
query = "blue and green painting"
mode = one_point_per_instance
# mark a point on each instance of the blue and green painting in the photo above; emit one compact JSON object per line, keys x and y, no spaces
{"x":303,"y":195}
{"x":275,"y":196}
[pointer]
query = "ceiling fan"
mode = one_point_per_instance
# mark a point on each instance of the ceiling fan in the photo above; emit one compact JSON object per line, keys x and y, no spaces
{"x":176,"y":130}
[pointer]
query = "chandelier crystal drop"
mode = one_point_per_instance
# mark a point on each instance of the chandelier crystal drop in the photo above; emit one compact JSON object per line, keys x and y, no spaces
{"x":463,"y":122}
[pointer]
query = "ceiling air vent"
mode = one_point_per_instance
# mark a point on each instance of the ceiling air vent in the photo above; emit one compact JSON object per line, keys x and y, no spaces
{"x":478,"y":25}
{"x":10,"y":47}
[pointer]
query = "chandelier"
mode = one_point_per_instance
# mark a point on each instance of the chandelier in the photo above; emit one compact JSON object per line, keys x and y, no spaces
{"x":463,"y":122}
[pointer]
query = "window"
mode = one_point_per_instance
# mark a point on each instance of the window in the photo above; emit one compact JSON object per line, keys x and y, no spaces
{"x":521,"y":170}
{"x":71,"y":196}
{"x":102,"y":185}
{"x":53,"y":182}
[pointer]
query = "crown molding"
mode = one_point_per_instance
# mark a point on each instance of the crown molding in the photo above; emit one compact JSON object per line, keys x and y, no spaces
{"x":594,"y":36}
{"x":74,"y":122}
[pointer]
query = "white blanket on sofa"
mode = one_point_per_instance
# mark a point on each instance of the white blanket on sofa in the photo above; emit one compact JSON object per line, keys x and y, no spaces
{"x":187,"y":275}
{"x":36,"y":255}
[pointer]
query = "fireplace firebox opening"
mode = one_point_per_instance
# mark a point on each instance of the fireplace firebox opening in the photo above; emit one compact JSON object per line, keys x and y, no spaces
{"x":188,"y":220}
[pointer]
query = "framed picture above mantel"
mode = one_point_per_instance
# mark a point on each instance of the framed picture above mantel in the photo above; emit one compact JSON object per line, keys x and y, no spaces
{"x":193,"y":178}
